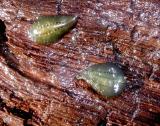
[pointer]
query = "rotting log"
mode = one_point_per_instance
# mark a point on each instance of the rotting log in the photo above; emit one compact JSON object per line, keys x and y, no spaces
{"x":37,"y":82}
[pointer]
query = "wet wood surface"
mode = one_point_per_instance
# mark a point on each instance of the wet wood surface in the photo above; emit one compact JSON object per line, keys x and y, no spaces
{"x":37,"y":82}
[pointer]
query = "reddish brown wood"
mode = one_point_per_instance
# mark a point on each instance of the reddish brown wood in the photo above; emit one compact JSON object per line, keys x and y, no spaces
{"x":38,"y":84}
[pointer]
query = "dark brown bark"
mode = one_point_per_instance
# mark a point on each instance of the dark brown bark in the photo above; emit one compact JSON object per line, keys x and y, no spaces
{"x":38,"y":85}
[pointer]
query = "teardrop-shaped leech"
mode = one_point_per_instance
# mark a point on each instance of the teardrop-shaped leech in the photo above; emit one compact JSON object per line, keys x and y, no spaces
{"x":49,"y":29}
{"x":105,"y":78}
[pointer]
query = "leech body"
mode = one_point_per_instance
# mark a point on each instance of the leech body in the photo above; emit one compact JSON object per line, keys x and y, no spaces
{"x":48,"y":29}
{"x":106,"y":78}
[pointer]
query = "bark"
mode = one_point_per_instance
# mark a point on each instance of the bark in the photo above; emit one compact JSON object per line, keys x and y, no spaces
{"x":38,"y":85}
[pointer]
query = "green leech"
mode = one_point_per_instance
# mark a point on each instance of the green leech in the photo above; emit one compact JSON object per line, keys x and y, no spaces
{"x":106,"y":78}
{"x":49,"y":29}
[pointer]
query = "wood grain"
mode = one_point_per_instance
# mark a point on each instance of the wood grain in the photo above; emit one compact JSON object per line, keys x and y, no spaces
{"x":38,"y":84}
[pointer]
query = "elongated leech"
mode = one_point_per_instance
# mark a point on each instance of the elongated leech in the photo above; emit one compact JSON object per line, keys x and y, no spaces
{"x":49,"y":29}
